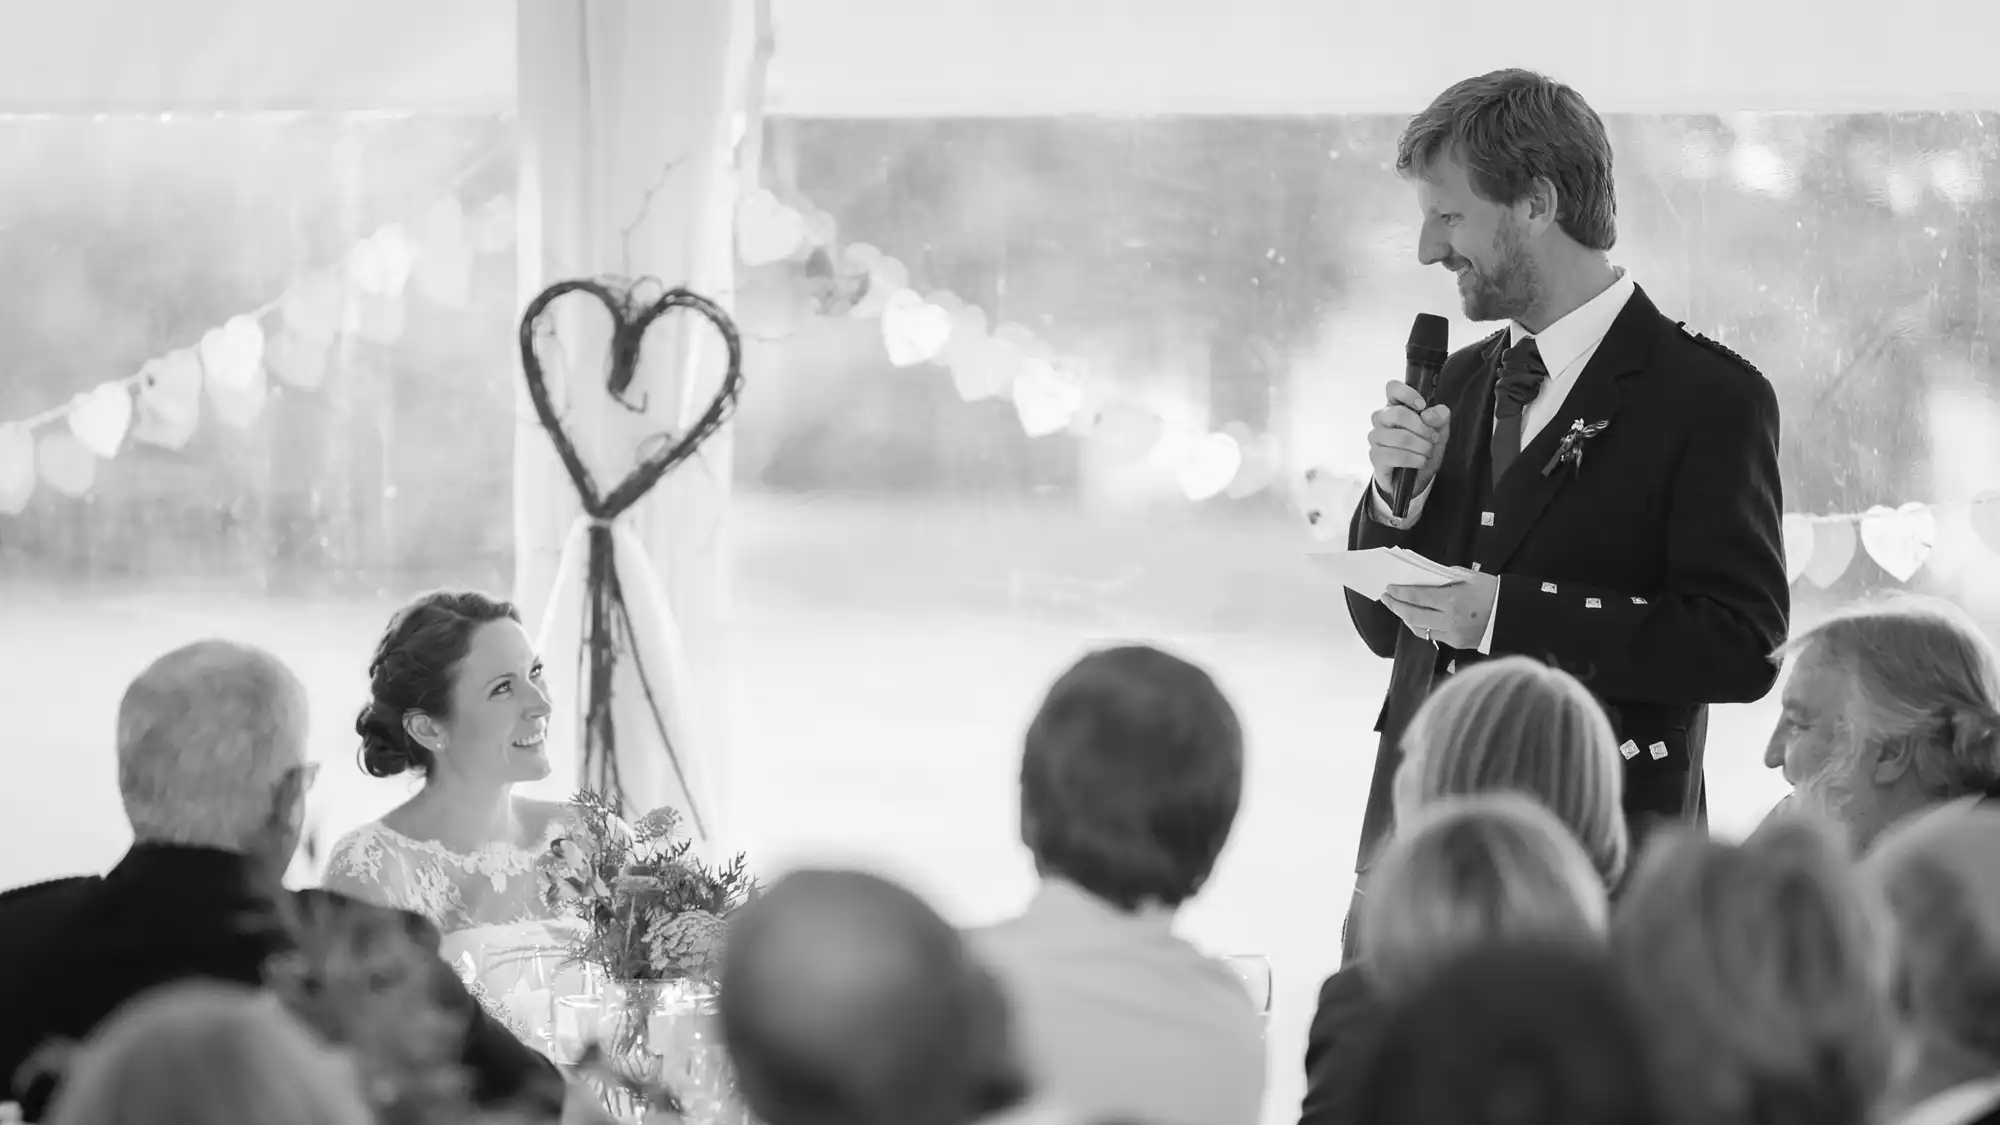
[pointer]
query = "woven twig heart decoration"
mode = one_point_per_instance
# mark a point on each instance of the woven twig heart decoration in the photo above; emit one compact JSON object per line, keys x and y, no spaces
{"x":611,"y":636}
{"x":630,"y":320}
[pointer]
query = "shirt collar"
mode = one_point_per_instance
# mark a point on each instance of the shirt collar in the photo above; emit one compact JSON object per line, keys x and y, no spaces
{"x":1955,"y":1106}
{"x":1565,"y":341}
{"x":1057,"y":897}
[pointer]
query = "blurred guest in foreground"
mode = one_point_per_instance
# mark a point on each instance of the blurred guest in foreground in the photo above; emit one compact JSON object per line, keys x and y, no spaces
{"x":212,"y":769}
{"x":1537,"y":1033}
{"x":1888,"y":710}
{"x":847,"y":1001}
{"x":1459,"y":874}
{"x":1130,"y":780}
{"x":1940,"y":875}
{"x":1515,"y":725}
{"x":1760,"y":972}
{"x":202,"y":1052}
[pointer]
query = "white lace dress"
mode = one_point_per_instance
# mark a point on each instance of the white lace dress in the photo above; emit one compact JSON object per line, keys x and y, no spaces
{"x":487,"y":903}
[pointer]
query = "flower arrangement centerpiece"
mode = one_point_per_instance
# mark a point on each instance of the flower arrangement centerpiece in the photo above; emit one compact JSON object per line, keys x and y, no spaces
{"x":652,"y":915}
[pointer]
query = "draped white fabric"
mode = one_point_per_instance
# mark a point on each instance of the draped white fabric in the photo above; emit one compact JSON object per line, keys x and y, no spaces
{"x":676,"y":770}
{"x":632,"y":118}
{"x":922,"y":57}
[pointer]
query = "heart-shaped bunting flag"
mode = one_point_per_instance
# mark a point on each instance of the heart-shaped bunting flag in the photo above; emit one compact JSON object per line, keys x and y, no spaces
{"x":1045,"y":399}
{"x":1209,"y":466}
{"x":914,"y":330}
{"x":767,"y":230}
{"x":169,"y":405}
{"x":101,"y":418}
{"x":1832,"y":550}
{"x":65,"y":464}
{"x":1798,"y":545}
{"x":1899,"y":539}
{"x":17,"y":469}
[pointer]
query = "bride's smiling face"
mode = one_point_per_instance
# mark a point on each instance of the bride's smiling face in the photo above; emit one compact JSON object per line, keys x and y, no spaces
{"x":499,"y":709}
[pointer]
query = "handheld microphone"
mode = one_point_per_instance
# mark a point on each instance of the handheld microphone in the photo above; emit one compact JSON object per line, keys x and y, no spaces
{"x":1424,"y":357}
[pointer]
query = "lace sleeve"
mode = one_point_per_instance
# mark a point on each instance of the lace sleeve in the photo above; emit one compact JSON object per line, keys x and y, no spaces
{"x":364,"y":864}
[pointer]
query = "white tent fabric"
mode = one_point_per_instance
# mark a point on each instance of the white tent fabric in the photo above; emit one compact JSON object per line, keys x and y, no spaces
{"x":986,"y":57}
{"x":150,"y":56}
{"x":634,"y":119}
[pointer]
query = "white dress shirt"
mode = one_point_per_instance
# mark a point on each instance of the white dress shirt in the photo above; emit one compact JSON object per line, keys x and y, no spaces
{"x":1121,"y":1019}
{"x":1566,"y":348}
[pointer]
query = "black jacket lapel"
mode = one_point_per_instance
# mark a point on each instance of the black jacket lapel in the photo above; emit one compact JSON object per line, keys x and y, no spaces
{"x":1523,"y":494}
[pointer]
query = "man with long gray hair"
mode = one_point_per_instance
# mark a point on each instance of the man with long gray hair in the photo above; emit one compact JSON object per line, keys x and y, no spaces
{"x":1889,"y":710}
{"x":1943,"y":893}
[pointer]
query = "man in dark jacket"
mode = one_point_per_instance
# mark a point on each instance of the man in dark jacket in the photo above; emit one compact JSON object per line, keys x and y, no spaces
{"x":1604,"y":481}
{"x":211,"y":766}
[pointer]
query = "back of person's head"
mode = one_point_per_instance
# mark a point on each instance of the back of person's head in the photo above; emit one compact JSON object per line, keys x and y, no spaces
{"x":846,"y":1000}
{"x":1471,"y":870}
{"x":413,"y":673}
{"x":372,"y":982}
{"x":1761,"y":969}
{"x":1516,"y":724}
{"x":1509,"y":128}
{"x":1940,"y":877}
{"x":1919,"y":681}
{"x":1131,"y":777}
{"x":1513,"y":1033}
{"x":212,"y":751}
{"x":208,"y":1052}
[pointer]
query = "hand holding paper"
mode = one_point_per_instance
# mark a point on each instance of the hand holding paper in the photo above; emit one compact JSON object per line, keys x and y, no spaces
{"x":1370,"y":572}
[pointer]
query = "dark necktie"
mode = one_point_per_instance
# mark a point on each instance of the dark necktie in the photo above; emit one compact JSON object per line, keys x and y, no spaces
{"x":1522,"y":374}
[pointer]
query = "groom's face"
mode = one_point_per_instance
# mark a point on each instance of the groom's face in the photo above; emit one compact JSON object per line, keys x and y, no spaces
{"x":1483,"y":243}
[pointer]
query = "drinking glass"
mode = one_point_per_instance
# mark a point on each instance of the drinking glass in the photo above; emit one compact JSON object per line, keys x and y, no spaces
{"x":1254,"y":970}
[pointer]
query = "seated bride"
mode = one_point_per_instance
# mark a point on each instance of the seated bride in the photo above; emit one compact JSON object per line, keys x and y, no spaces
{"x":458,"y":698}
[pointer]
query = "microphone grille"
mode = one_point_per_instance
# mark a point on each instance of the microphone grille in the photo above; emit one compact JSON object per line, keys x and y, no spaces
{"x":1431,"y":331}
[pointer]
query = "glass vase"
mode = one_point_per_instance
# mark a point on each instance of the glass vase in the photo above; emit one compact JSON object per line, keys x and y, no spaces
{"x":659,"y":1033}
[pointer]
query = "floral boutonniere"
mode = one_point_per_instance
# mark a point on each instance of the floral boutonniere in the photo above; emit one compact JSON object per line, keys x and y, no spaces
{"x":1570,"y":452}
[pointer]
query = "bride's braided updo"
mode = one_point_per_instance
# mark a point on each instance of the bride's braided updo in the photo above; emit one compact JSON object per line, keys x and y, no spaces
{"x":413,"y":669}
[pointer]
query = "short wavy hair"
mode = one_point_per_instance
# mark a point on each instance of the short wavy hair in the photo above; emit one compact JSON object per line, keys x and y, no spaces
{"x":1762,"y":967}
{"x":1470,"y":870}
{"x":1517,"y":725}
{"x":205,"y":736}
{"x":208,"y":1051}
{"x":1512,"y":127}
{"x":1131,"y":776}
{"x":1513,"y":1032}
{"x":1922,"y":673}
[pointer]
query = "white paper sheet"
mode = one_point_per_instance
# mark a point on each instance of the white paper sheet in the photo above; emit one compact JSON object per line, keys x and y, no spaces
{"x":1370,"y":572}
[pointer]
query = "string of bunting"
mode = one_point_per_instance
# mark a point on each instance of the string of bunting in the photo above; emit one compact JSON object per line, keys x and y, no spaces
{"x":1051,"y":393}
{"x":1901,"y":540}
{"x":432,"y":252}
{"x":290,"y":337}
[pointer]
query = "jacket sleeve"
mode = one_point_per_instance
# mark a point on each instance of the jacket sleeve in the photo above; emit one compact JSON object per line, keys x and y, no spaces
{"x":1338,"y":1048}
{"x":1708,"y":635}
{"x":1378,"y":627}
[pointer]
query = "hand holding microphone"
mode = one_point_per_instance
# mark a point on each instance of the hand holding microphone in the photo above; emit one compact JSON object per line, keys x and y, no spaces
{"x":1406,"y":438}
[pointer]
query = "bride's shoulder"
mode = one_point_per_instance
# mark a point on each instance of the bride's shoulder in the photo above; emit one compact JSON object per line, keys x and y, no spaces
{"x":361,"y":846}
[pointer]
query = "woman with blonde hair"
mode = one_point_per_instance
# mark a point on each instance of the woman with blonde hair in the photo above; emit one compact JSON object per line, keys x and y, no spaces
{"x":208,"y":1052}
{"x":1762,"y":973}
{"x":1468,"y":870}
{"x":1461,"y":873}
{"x":1517,"y":725}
